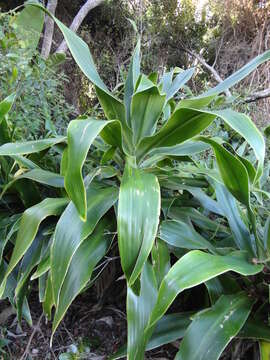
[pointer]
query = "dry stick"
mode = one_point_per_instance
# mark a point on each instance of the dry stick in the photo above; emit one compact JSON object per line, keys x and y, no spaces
{"x":35,"y":329}
{"x":76,"y":23}
{"x":208,"y":67}
{"x":258,"y":96}
{"x":49,"y":30}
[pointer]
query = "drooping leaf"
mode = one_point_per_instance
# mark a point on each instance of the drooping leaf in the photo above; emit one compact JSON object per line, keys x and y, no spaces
{"x":71,"y":231}
{"x":81,"y":134}
{"x":138,"y":217}
{"x":29,"y":147}
{"x":29,"y":225}
{"x":212,"y":329}
{"x":233,"y":172}
{"x":195,"y":268}
{"x":81,"y":267}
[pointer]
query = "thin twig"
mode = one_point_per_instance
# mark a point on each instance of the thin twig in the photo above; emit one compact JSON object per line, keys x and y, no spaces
{"x":35,"y":329}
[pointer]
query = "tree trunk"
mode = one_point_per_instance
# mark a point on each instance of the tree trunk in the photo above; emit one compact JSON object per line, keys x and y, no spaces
{"x":77,"y":21}
{"x":49,"y":29}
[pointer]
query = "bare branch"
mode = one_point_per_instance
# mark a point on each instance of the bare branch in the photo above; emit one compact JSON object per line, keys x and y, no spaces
{"x":49,"y":29}
{"x":77,"y":21}
{"x":258,"y":96}
{"x":208,"y":67}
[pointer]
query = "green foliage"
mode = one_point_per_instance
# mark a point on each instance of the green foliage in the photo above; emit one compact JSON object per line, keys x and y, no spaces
{"x":132,"y":179}
{"x":40,"y":106}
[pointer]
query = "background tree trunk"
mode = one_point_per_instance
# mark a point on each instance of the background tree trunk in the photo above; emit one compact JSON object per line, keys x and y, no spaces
{"x":77,"y":21}
{"x":49,"y":29}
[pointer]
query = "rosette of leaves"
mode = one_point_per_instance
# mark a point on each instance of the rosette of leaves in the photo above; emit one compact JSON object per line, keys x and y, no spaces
{"x":177,"y":223}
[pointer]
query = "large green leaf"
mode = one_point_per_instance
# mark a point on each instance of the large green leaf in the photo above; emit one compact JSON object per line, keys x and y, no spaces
{"x":255,"y":329}
{"x":81,"y":134}
{"x":182,"y":125}
{"x":139,"y":308}
{"x":233,"y":172}
{"x":138,"y":218}
{"x":195,"y":268}
{"x":29,"y":225}
{"x":85,"y":258}
{"x":71,"y":231}
{"x":146,"y":107}
{"x":246,"y":128}
{"x":29,"y":147}
{"x":212,"y":329}
{"x":179,"y":234}
{"x":239,"y":74}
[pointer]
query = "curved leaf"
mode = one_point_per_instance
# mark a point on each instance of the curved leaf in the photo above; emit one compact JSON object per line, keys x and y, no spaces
{"x":29,"y":147}
{"x":239,"y":74}
{"x":81,"y":134}
{"x":138,"y":217}
{"x":182,"y":125}
{"x":71,"y":231}
{"x":193,"y":269}
{"x":233,"y":172}
{"x":146,"y":107}
{"x":219,"y":325}
{"x":29,"y":225}
{"x":6,"y":105}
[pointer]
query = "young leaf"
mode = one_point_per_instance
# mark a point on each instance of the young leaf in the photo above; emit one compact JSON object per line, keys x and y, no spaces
{"x":138,"y":218}
{"x":219,"y":325}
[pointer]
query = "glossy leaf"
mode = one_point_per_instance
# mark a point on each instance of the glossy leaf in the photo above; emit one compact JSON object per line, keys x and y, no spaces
{"x":219,"y":325}
{"x":68,"y":238}
{"x":138,"y":218}
{"x":188,"y":148}
{"x":161,"y":260}
{"x":29,"y":147}
{"x":233,"y":172}
{"x":182,"y":125}
{"x":146,"y":107}
{"x":193,"y":269}
{"x":81,"y":134}
{"x":29,"y":225}
{"x":85,"y":258}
